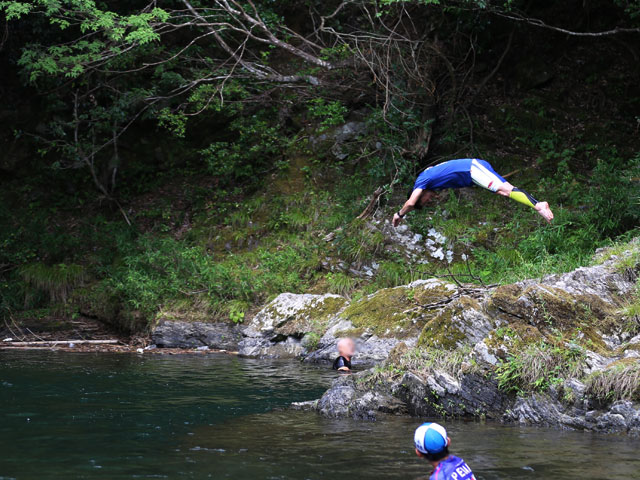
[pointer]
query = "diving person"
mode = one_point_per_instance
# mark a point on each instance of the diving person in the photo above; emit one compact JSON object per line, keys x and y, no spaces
{"x":346,"y":351}
{"x":461,"y":173}
{"x":432,"y":443}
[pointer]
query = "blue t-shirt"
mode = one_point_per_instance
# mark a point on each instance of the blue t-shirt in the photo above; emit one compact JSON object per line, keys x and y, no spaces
{"x":452,"y":468}
{"x":450,"y":174}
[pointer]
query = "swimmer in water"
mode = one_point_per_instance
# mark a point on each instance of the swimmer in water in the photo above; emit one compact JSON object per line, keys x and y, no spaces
{"x":432,"y":443}
{"x":346,"y":350}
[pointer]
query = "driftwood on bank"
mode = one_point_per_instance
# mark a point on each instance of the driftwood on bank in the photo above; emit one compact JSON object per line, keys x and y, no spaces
{"x":59,"y":342}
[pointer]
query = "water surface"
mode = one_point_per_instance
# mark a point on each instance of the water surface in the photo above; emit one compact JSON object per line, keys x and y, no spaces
{"x":116,"y":416}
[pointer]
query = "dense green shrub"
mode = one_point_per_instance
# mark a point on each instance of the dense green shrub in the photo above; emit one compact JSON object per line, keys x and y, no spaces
{"x":158,"y":271}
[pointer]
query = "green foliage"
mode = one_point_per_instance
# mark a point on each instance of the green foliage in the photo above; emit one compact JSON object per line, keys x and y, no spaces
{"x":631,"y":7}
{"x":236,"y":312}
{"x":249,"y":154}
{"x":329,"y":113}
{"x":424,"y":361}
{"x":71,"y":59}
{"x":158,"y":270}
{"x":57,"y":281}
{"x":312,"y":340}
{"x":118,"y":68}
{"x":176,"y":123}
{"x":394,"y":273}
{"x":340,"y":283}
{"x":429,"y":360}
{"x":618,"y":382}
{"x":614,"y":197}
{"x":538,"y":367}
{"x":358,"y":242}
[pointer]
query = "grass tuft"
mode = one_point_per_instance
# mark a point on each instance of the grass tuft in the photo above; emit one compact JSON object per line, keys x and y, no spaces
{"x":57,"y":281}
{"x":620,"y":382}
{"x":539,"y":367}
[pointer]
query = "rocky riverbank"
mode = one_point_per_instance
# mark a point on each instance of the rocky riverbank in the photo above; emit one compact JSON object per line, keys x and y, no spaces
{"x":562,"y":351}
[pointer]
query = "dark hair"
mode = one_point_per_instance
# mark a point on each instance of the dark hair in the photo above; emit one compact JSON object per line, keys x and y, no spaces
{"x":417,"y":206}
{"x":434,"y":457}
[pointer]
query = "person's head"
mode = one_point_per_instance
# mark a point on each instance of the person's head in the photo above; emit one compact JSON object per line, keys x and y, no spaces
{"x":425,"y":197}
{"x":346,"y":347}
{"x":431,"y":442}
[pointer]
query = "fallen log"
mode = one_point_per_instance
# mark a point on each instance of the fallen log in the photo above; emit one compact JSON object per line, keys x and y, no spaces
{"x":59,"y":342}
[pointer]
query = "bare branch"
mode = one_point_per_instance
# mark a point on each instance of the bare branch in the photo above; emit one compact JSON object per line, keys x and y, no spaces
{"x":539,"y":23}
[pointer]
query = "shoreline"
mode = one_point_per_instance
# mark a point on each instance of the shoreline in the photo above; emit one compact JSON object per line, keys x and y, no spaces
{"x":114,"y":348}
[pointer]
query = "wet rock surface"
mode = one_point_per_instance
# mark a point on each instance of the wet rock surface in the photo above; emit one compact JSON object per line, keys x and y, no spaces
{"x":347,"y":398}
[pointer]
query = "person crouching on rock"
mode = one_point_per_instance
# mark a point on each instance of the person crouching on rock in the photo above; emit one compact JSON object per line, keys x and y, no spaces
{"x":432,"y":443}
{"x":346,"y":350}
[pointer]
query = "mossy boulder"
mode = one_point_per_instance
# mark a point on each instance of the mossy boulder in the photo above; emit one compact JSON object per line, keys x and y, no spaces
{"x":396,"y":312}
{"x":279,"y":328}
{"x":547,"y":306}
{"x":462,"y":322}
{"x":508,"y":339}
{"x":313,"y":317}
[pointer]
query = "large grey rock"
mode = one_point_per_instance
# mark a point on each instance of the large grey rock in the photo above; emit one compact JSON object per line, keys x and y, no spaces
{"x":279,"y":329}
{"x":598,"y":280}
{"x":370,"y":348}
{"x":463,"y":322}
{"x":414,"y":247}
{"x":546,"y":409}
{"x":179,"y":334}
{"x":482,"y":355}
{"x":336,"y":401}
{"x":346,"y":398}
{"x":336,"y":139}
{"x":441,"y":393}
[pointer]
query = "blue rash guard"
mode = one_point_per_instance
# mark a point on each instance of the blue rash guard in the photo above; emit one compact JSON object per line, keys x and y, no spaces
{"x":452,"y":468}
{"x":459,"y":173}
{"x":451,"y":174}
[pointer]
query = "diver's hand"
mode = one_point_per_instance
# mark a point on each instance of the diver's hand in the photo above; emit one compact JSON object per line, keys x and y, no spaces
{"x":396,"y":220}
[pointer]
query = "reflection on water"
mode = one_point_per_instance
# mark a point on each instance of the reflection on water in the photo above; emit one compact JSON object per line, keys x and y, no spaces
{"x":215,"y":416}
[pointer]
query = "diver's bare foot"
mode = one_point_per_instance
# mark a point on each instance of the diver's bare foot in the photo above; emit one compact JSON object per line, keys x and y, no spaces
{"x":544,"y":210}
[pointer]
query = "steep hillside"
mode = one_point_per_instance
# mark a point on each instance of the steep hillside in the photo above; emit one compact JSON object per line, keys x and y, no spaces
{"x":209,"y":217}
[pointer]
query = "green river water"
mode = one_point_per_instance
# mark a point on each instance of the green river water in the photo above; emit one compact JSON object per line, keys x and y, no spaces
{"x":112,"y":416}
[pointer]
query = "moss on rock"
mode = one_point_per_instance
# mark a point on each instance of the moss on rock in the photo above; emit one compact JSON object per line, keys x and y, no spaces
{"x":313,"y":318}
{"x":461,"y":322}
{"x":550,"y":307}
{"x":393,"y":311}
{"x":441,"y":332}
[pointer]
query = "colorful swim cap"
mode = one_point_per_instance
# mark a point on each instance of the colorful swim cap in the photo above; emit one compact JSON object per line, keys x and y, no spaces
{"x":430,"y":438}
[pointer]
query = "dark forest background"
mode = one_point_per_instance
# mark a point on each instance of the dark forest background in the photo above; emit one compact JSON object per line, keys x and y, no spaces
{"x":198,"y":158}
